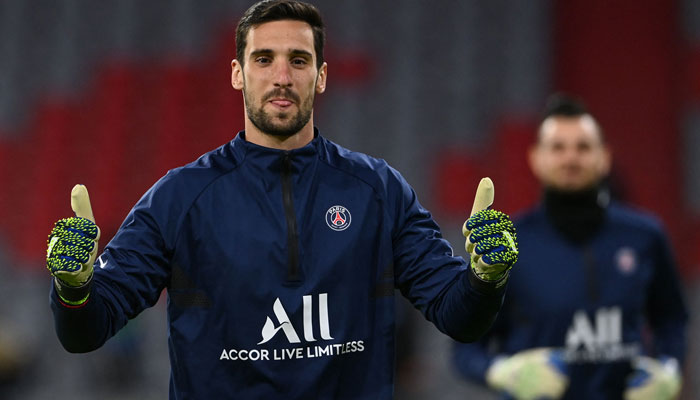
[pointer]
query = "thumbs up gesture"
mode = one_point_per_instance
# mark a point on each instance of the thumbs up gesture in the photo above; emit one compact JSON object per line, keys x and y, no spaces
{"x":490,"y":237}
{"x":72,"y":244}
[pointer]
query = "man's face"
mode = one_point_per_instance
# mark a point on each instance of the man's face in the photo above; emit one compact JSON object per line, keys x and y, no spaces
{"x":570,"y":154}
{"x":279,"y":77}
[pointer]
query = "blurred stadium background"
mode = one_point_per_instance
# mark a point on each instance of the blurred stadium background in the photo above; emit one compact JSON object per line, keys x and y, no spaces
{"x":112,"y":94}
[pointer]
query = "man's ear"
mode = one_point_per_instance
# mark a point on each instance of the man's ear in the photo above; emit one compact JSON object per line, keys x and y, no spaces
{"x":533,"y":160}
{"x":321,"y":80}
{"x":236,"y":75}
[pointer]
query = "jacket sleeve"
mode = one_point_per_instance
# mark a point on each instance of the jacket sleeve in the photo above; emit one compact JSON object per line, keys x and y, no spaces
{"x":667,"y":313}
{"x":128,"y":277}
{"x":428,"y":274}
{"x":472,"y":360}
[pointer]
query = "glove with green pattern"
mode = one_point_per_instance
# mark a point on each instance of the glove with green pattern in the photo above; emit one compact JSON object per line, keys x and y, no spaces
{"x":654,"y":379}
{"x":534,"y":374}
{"x":72,"y":246}
{"x":491,"y":244}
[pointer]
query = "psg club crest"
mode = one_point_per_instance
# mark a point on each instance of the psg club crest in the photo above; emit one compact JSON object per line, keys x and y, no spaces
{"x":338,"y":218}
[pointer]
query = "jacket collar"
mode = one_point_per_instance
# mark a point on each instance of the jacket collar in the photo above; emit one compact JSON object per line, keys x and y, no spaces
{"x":270,"y":158}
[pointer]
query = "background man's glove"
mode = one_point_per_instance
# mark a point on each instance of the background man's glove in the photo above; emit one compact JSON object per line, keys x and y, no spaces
{"x":657,"y":379}
{"x":491,"y":244}
{"x":72,"y":245}
{"x":532,"y":374}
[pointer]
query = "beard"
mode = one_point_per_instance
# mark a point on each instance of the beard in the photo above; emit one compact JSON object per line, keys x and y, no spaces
{"x":289,"y":124}
{"x":577,"y":214}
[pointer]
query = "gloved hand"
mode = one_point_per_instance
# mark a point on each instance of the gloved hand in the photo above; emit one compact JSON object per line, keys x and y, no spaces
{"x":539,"y":373}
{"x":491,"y":244}
{"x":490,"y":237}
{"x":72,"y":244}
{"x":654,"y":379}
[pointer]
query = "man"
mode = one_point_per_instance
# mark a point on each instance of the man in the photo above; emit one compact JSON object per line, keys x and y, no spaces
{"x":280,"y":250}
{"x":594,"y":279}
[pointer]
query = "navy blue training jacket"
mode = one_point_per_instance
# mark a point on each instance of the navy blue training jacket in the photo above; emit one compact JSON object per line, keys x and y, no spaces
{"x":602,"y":303}
{"x":280,"y":269}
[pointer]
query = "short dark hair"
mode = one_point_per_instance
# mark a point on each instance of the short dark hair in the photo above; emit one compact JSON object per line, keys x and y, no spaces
{"x":278,"y":10}
{"x":567,"y":106}
{"x":564,"y":105}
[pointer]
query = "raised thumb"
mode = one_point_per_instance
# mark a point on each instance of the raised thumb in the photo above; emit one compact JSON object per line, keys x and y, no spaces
{"x":80,"y":202}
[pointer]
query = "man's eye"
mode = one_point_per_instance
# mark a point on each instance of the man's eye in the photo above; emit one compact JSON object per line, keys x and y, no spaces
{"x":299,"y":61}
{"x":262,"y":60}
{"x":584,"y":147}
{"x":557,"y":147}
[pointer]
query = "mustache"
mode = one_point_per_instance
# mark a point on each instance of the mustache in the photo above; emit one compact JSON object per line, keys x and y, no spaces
{"x":281,"y":93}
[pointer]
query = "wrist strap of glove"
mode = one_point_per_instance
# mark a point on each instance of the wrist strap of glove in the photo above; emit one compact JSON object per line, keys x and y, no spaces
{"x":484,"y":285}
{"x":73,"y":296}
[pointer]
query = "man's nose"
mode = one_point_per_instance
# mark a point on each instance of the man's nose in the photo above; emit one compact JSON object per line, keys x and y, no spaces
{"x":571,"y":153}
{"x":283,"y":77}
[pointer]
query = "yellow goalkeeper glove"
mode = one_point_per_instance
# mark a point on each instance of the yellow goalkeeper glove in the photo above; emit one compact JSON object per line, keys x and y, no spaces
{"x":654,"y":379}
{"x":490,"y":237}
{"x":72,"y":247}
{"x":491,"y":244}
{"x":531,"y":374}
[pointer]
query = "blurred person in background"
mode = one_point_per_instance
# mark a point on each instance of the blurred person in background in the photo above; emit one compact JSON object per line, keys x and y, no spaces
{"x":20,"y":329}
{"x":280,"y":250}
{"x":13,"y":361}
{"x":594,"y":309}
